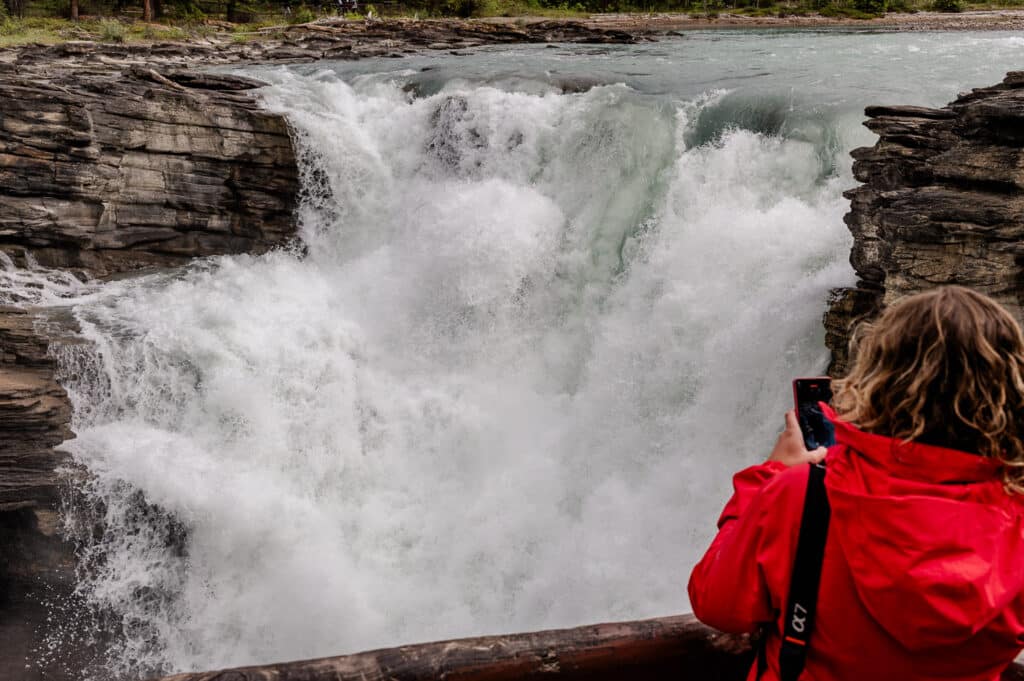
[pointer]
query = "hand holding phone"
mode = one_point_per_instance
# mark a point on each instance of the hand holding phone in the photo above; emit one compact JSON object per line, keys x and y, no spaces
{"x":807,"y":393}
{"x":790,"y":449}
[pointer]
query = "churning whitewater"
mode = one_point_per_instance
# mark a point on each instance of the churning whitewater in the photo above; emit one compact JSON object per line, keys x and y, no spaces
{"x":545,"y":302}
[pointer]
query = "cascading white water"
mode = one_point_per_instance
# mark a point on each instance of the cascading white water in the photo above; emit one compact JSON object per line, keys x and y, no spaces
{"x":534,"y":328}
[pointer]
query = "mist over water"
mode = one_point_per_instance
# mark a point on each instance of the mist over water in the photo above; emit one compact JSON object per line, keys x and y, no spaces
{"x":548,"y":300}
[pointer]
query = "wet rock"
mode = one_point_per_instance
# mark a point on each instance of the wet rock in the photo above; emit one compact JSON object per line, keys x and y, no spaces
{"x":34,"y":414}
{"x":941,"y":202}
{"x":35,"y":564}
{"x":134,"y":169}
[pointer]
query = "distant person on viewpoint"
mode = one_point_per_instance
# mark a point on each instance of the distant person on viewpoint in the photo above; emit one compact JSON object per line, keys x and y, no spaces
{"x":923,"y":568}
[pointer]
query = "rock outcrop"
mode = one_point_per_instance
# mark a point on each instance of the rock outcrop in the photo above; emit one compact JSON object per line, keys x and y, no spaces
{"x":942,"y":202}
{"x":113,"y":172}
{"x":34,"y":415}
{"x":104,"y":171}
{"x":109,"y":172}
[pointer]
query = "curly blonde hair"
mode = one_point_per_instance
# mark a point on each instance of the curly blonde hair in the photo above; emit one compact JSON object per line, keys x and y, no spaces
{"x":944,"y":367}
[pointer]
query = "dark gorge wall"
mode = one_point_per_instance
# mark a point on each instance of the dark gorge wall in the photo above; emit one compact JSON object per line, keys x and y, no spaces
{"x":942,"y":202}
{"x":34,"y":419}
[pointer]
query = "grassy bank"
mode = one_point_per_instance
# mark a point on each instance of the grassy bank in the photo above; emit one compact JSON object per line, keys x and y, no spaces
{"x":49,"y":31}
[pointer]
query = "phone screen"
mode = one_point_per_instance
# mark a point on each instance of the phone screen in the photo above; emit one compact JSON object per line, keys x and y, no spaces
{"x":817,"y":430}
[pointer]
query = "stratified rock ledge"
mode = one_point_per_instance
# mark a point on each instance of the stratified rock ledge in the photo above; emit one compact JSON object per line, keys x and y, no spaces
{"x":941,"y":203}
{"x":115,"y":171}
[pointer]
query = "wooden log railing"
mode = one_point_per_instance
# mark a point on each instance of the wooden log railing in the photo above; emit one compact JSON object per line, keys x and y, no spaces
{"x":666,"y":649}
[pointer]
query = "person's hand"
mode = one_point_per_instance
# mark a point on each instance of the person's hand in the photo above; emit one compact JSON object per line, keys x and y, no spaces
{"x":790,"y":449}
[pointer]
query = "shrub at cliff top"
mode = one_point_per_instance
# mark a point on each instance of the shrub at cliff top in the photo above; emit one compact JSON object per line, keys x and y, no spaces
{"x":303,"y":15}
{"x":112,"y":32}
{"x":870,"y":6}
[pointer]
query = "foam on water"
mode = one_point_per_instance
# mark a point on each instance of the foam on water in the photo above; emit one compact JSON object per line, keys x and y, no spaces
{"x":532,"y":333}
{"x":28,"y":283}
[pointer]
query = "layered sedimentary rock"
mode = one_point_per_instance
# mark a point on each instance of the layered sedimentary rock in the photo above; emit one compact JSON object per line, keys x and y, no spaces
{"x":34,"y":415}
{"x":34,"y":418}
{"x":106,"y":171}
{"x":116,"y":171}
{"x":942,"y":202}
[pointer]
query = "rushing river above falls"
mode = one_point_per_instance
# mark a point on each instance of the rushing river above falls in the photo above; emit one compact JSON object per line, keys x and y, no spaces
{"x":548,"y":300}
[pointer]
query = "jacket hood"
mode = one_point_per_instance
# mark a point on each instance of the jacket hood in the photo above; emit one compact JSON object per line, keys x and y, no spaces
{"x":933,"y":542}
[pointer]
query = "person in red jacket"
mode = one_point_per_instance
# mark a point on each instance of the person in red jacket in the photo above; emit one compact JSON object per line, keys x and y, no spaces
{"x":923,"y":570}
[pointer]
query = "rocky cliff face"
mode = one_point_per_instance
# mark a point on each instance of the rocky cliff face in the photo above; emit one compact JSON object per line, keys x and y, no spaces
{"x":107,"y":170}
{"x":34,"y":415}
{"x":34,"y":418}
{"x":113,"y":172}
{"x":942,"y":202}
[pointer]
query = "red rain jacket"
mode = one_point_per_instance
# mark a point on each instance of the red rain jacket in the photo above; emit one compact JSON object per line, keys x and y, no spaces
{"x":923,"y":576}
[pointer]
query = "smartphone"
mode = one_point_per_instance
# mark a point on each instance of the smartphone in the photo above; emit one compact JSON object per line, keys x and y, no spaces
{"x":807,"y":393}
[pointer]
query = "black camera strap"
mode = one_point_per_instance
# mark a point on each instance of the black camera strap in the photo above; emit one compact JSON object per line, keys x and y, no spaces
{"x":806,"y":577}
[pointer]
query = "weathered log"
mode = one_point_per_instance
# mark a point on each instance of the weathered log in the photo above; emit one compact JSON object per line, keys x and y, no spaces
{"x":668,"y":648}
